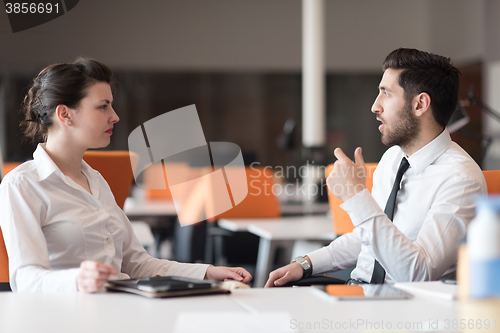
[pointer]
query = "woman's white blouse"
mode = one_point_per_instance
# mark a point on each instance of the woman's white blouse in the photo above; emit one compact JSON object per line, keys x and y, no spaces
{"x":51,"y":224}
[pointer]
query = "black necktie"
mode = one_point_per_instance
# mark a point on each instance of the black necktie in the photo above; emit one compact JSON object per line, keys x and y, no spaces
{"x":378,"y":271}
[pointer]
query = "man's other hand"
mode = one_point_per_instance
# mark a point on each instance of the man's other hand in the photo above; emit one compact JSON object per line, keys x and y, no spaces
{"x":347,"y":178}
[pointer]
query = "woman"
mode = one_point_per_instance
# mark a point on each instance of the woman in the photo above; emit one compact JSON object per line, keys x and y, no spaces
{"x":62,"y":228}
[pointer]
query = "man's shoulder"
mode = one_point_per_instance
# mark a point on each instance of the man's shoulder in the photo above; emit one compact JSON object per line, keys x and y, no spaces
{"x":460,"y":160}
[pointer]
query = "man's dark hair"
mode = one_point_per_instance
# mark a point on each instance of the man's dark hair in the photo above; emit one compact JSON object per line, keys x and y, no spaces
{"x":429,"y":73}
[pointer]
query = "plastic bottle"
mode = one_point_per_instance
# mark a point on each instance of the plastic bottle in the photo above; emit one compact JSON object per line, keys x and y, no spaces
{"x":483,"y":247}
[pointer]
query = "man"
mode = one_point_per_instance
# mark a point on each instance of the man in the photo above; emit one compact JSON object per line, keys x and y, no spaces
{"x":431,"y":210}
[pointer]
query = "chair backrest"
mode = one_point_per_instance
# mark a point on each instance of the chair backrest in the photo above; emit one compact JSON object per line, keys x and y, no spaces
{"x":9,"y":166}
{"x":154,"y":179}
{"x":341,"y":221}
{"x":492,"y":178}
{"x":4,"y":259}
{"x":117,"y":169}
{"x":260,"y":202}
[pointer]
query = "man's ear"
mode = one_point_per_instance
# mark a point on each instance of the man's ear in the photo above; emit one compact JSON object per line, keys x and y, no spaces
{"x":63,"y":114}
{"x":421,"y":104}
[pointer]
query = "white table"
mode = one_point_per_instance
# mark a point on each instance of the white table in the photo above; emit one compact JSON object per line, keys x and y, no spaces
{"x":313,"y":208}
{"x":279,"y":231}
{"x":309,"y":310}
{"x":162,"y":213}
{"x":134,"y":207}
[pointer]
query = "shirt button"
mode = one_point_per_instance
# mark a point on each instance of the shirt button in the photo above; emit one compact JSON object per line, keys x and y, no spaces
{"x":100,"y":211}
{"x":109,"y":240}
{"x":367,"y":265}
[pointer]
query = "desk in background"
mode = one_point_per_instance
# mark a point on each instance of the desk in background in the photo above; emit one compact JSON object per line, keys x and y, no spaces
{"x":134,"y":208}
{"x":162,"y":217}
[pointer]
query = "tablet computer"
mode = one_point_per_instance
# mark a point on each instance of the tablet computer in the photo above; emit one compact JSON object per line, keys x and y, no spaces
{"x":166,"y":287}
{"x":365,"y":292}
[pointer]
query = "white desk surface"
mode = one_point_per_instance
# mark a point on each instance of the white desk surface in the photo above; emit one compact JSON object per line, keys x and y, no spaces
{"x":124,"y":313}
{"x":314,"y":227}
{"x":162,"y":207}
{"x":304,"y":208}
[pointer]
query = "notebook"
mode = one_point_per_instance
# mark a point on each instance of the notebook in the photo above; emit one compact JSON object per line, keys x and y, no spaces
{"x":157,"y":287}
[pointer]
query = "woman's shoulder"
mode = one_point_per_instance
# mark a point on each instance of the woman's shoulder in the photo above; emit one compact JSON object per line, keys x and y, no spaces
{"x":23,"y":172}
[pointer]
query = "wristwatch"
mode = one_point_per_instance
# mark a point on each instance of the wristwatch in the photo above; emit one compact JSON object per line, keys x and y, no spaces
{"x":304,"y":264}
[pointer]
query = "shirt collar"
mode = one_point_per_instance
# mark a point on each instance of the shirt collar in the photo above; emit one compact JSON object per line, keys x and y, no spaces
{"x":426,"y":155}
{"x":45,"y":166}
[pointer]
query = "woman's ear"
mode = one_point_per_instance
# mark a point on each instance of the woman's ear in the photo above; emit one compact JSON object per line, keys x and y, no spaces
{"x":422,"y":104}
{"x":63,"y":115}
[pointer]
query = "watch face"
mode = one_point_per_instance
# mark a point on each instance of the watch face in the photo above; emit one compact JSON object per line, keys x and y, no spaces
{"x":299,"y":260}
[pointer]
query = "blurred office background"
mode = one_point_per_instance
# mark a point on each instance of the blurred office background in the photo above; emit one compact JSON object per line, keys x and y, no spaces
{"x":240,"y":62}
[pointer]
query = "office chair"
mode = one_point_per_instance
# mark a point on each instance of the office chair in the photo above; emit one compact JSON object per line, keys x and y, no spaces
{"x":492,"y":178}
{"x":9,"y":166}
{"x":4,"y":259}
{"x":4,"y":266}
{"x":117,"y":168}
{"x":260,"y":202}
{"x":154,"y":180}
{"x":341,"y":221}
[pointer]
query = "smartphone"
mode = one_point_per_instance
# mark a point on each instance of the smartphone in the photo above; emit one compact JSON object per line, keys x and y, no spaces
{"x":365,"y":292}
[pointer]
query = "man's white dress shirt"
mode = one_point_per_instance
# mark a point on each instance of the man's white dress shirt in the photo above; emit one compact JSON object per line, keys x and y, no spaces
{"x":51,"y":224}
{"x":433,"y":208}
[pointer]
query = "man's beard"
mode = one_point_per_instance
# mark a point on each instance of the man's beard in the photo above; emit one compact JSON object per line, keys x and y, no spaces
{"x":403,"y":130}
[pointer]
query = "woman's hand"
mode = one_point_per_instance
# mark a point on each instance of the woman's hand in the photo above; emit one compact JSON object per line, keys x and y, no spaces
{"x":221,"y":273}
{"x":93,"y":275}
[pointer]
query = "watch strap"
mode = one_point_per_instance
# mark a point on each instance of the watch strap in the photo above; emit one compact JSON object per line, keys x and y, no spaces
{"x":306,"y":267}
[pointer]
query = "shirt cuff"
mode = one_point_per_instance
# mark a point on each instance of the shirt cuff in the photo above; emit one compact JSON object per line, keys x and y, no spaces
{"x":190,"y":271}
{"x":361,"y":207}
{"x":321,"y":260}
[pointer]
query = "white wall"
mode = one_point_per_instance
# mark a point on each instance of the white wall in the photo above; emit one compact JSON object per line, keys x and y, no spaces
{"x":262,"y":35}
{"x":491,"y":127}
{"x":456,"y":29}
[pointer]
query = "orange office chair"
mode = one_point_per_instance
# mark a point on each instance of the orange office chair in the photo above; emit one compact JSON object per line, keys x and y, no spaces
{"x":154,"y":180}
{"x":4,"y":266}
{"x":4,"y":259}
{"x":260,"y":202}
{"x":154,"y":177}
{"x":492,"y":178}
{"x":341,"y":220}
{"x":9,"y":166}
{"x":116,"y":168}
